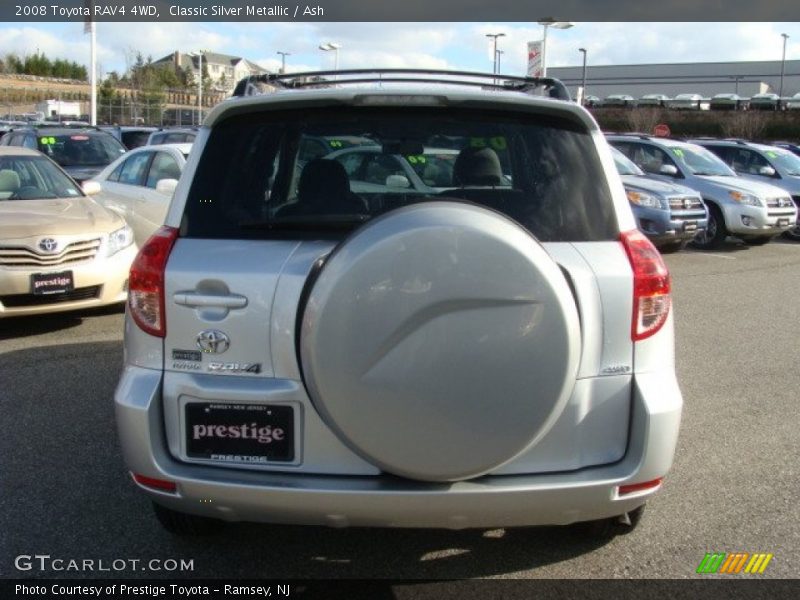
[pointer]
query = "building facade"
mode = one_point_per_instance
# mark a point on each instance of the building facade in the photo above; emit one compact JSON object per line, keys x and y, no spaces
{"x":223,"y":70}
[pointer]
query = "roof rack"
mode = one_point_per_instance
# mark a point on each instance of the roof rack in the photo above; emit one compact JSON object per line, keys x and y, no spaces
{"x":553,"y":87}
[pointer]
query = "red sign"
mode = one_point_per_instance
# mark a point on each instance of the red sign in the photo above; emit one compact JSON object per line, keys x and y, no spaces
{"x":662,"y":130}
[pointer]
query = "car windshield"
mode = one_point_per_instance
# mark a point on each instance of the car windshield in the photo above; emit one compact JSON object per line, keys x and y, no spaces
{"x":81,"y":149}
{"x":273,"y":173}
{"x":33,"y":178}
{"x":625,"y":166}
{"x":785,"y":160}
{"x":699,"y":161}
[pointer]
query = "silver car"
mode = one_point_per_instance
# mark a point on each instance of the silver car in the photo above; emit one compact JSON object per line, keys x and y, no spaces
{"x":753,"y":211}
{"x":500,"y":353}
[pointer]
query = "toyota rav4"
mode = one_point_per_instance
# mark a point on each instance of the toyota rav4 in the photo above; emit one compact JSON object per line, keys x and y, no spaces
{"x":497,"y":353}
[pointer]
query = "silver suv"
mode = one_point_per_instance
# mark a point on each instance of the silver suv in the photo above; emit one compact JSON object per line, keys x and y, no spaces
{"x":753,"y":211}
{"x":499,"y":353}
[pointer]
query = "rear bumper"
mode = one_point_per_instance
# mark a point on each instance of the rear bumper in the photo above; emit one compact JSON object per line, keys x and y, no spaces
{"x":385,"y":501}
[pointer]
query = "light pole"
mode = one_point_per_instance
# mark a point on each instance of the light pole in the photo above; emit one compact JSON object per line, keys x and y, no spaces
{"x":199,"y":55}
{"x":499,"y":55}
{"x":783,"y":63}
{"x":327,"y":47}
{"x":545,"y":23}
{"x":736,"y":78}
{"x":494,"y":36}
{"x":283,"y":60}
{"x":583,"y":77}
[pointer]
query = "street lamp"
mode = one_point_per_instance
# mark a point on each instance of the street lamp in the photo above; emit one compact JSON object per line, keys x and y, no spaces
{"x":499,"y":55}
{"x":199,"y":55}
{"x":736,"y":78}
{"x":494,"y":36}
{"x":783,"y":63}
{"x":545,"y":23}
{"x":583,"y":78}
{"x":283,"y":60}
{"x":327,"y":47}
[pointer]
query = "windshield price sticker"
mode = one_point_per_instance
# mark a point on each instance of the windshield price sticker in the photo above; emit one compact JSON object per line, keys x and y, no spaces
{"x":496,"y":143}
{"x":47,"y":140}
{"x":677,"y":152}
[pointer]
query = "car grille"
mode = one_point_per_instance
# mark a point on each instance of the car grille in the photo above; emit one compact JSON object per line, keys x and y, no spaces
{"x":74,"y":253}
{"x":779,"y":203}
{"x":76,"y":295}
{"x":685,"y":203}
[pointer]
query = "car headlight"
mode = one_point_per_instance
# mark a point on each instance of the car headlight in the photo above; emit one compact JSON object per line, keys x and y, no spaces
{"x":743,"y":198}
{"x":642,"y":199}
{"x":119,"y":240}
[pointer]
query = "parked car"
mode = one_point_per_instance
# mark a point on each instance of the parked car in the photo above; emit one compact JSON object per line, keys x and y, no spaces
{"x":765,"y":102}
{"x":761,"y":162}
{"x":140,"y":184}
{"x":792,"y":147}
{"x":670,"y":215}
{"x":654,"y":100}
{"x":793,"y":103}
{"x":727,"y":102}
{"x":623,"y":100}
{"x":592,"y":102}
{"x":173,"y":135}
{"x":59,"y":249}
{"x":81,"y":151}
{"x":130,"y":136}
{"x":752,"y":211}
{"x":302,"y":358}
{"x":686,"y":102}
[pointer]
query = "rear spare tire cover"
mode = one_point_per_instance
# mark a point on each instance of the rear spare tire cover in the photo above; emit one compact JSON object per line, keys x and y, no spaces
{"x":440,"y":341}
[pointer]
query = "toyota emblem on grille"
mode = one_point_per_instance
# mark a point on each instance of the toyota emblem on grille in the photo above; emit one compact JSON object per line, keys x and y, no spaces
{"x":213,"y":341}
{"x":687,"y":203}
{"x":48,"y":245}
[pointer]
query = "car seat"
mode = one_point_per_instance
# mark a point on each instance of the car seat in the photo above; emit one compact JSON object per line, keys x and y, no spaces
{"x":324,"y":189}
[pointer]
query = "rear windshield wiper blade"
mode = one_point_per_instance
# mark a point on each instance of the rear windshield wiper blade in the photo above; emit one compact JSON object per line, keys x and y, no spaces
{"x":333,"y":223}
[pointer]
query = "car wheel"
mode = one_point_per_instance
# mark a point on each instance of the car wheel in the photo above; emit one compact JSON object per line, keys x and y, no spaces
{"x":178,"y":523}
{"x":793,"y":234}
{"x":715,"y":233}
{"x":757,"y":241}
{"x":671,"y":247}
{"x":609,"y":528}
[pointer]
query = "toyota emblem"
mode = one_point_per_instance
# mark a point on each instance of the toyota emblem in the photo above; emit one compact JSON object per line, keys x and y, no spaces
{"x":48,"y":245}
{"x":213,"y":341}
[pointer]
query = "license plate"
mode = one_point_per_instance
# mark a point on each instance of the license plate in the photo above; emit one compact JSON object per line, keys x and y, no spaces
{"x":783,"y":222}
{"x":240,"y":433}
{"x":690,"y":226}
{"x":43,"y":284}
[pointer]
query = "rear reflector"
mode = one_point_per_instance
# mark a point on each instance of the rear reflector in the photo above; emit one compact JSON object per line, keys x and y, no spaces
{"x":640,"y":487}
{"x":651,"y":285}
{"x":146,"y":282}
{"x":161,"y":485}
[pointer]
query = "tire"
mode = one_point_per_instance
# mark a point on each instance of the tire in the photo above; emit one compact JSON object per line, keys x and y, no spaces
{"x":671,"y":247}
{"x":715,"y":234}
{"x":408,"y":397}
{"x":610,"y":528}
{"x":793,"y":234}
{"x":758,"y":241}
{"x":184,"y":524}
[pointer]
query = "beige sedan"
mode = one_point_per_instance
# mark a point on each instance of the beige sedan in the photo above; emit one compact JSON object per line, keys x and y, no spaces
{"x":59,"y":249}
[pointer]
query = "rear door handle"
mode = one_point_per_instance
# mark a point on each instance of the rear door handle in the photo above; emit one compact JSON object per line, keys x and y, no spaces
{"x":193,"y":299}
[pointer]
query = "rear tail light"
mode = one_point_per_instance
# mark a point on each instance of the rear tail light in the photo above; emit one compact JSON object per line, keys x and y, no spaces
{"x":651,"y":285}
{"x":146,"y":282}
{"x":162,"y":485}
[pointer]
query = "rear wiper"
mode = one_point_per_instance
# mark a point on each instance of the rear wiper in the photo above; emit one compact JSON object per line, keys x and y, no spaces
{"x":332,"y":223}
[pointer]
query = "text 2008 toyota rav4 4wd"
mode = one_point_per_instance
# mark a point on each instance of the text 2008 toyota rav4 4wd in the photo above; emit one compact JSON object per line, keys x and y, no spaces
{"x":500,"y":353}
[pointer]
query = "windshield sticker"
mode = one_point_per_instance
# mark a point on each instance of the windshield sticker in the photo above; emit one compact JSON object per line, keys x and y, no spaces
{"x":335,"y":144}
{"x":47,"y":140}
{"x":496,"y":143}
{"x":771,"y":154}
{"x":416,"y":159}
{"x":677,"y":152}
{"x":72,"y":192}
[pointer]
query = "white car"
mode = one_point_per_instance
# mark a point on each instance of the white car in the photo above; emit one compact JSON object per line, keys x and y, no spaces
{"x":139,"y":185}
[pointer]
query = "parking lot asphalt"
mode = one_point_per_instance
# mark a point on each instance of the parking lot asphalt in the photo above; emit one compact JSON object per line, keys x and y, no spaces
{"x":734,"y":486}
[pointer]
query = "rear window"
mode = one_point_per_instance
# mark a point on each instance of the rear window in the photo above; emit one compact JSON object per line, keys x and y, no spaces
{"x":81,"y":149}
{"x":259,"y":178}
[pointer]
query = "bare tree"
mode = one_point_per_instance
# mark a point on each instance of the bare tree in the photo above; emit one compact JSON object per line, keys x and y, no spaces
{"x":744,"y":124}
{"x":644,"y":119}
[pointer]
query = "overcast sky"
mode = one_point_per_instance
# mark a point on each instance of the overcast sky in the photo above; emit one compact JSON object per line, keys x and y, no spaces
{"x":424,"y":45}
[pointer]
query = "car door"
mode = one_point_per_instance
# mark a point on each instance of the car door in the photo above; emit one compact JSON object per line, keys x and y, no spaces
{"x":152,"y":205}
{"x":124,"y":191}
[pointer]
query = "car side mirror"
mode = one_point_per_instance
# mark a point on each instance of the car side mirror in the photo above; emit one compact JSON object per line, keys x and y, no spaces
{"x":766,"y":171}
{"x":670,"y":170}
{"x":397,"y":181}
{"x":91,"y":188}
{"x":166,"y":186}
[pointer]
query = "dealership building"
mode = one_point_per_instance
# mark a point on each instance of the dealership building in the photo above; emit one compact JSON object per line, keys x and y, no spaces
{"x":707,"y":79}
